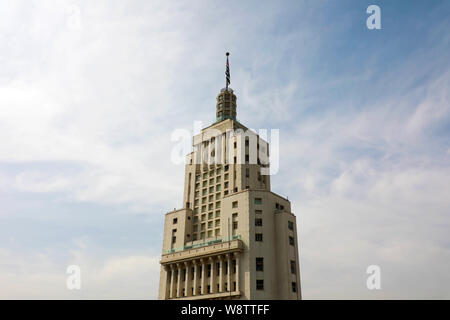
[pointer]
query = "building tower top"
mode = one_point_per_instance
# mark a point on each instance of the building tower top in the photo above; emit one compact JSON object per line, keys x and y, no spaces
{"x":226,"y":100}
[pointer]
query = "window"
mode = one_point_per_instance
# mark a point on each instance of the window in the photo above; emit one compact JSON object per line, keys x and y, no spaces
{"x":226,"y":169}
{"x":235,"y":225}
{"x":195,"y":219}
{"x":174,"y":239}
{"x":293,"y":268}
{"x":258,"y":211}
{"x":294,"y":286}
{"x":290,"y":225}
{"x":234,"y":204}
{"x":203,"y":208}
{"x":218,"y":205}
{"x":210,"y":224}
{"x":258,"y":237}
{"x":235,"y":144}
{"x":259,"y":284}
{"x":217,"y":214}
{"x":258,"y":222}
{"x":203,"y":217}
{"x":225,"y":176}
{"x":225,"y":185}
{"x":258,"y":201}
{"x":218,"y":187}
{"x":211,"y":189}
{"x":259,"y":264}
{"x":291,"y":241}
{"x":210,"y":215}
{"x":247,"y":172}
{"x":175,"y":220}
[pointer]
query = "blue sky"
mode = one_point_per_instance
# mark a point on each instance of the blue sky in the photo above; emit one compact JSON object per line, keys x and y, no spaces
{"x":90,"y":93}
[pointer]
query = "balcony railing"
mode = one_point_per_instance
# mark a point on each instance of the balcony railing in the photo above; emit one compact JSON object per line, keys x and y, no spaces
{"x":203,"y":244}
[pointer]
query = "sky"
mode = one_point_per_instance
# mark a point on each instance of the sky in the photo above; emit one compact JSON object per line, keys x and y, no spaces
{"x":91,"y":92}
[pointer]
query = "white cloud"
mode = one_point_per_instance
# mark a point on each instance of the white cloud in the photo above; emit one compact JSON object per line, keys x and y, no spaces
{"x":39,"y":276}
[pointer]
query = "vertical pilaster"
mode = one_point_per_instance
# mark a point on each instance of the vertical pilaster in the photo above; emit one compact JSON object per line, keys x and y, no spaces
{"x":213,"y":275}
{"x":172,"y":281}
{"x":228,"y":271}
{"x":195,"y":277}
{"x":221,"y":272}
{"x":203,"y":281}
{"x":167,"y":283}
{"x":179,"y":269}
{"x":237,"y":271}
{"x":187,"y":281}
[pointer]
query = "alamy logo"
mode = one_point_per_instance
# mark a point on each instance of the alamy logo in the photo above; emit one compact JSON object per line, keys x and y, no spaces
{"x":238,"y":146}
{"x":374,"y":280}
{"x":374,"y":20}
{"x":74,"y":279}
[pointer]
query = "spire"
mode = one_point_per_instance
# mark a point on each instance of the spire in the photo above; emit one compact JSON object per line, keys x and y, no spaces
{"x":226,"y":100}
{"x":227,"y":73}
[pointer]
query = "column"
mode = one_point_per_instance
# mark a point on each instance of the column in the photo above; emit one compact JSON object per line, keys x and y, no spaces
{"x":167,"y":285}
{"x":195,"y":276}
{"x":172,"y":280}
{"x":187,"y":281}
{"x":212,"y":282}
{"x":221,"y":272}
{"x":203,"y":281}
{"x":229,"y":272}
{"x":237,"y":270}
{"x":179,"y":270}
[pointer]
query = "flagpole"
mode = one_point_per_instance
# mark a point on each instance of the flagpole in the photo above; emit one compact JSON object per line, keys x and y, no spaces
{"x":227,"y":72}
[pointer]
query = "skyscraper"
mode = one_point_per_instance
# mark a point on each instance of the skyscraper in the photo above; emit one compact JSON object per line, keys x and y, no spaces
{"x":234,"y":238}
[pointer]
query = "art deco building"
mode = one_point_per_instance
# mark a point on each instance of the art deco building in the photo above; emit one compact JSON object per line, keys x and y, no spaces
{"x":234,"y":238}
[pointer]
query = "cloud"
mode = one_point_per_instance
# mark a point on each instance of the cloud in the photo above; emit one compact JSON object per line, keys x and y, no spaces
{"x":90,"y":93}
{"x":39,"y":276}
